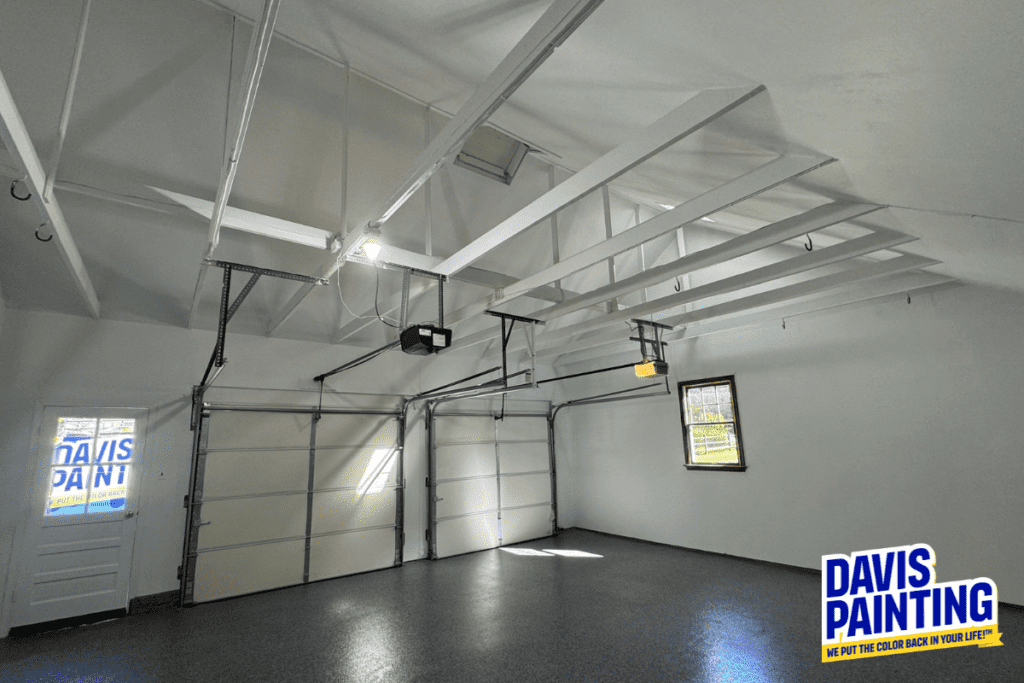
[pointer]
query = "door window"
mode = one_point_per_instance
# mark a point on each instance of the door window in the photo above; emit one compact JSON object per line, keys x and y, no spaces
{"x":91,"y":464}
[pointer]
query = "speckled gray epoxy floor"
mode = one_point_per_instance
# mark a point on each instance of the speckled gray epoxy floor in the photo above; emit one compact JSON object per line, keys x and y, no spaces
{"x":641,"y":612}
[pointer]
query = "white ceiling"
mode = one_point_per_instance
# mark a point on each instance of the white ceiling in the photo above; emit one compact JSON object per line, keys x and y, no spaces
{"x":918,"y":101}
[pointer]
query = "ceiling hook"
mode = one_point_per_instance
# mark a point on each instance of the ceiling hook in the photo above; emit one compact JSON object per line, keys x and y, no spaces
{"x":15,"y":184}
{"x":40,"y":238}
{"x":810,"y":245}
{"x":908,"y":297}
{"x":678,"y":286}
{"x":783,"y":323}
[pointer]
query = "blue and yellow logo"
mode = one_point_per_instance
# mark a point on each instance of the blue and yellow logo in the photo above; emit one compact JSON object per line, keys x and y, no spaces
{"x":886,"y":602}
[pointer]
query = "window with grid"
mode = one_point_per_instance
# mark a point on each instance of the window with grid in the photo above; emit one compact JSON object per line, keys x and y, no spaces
{"x":711,"y":424}
{"x":91,"y":460}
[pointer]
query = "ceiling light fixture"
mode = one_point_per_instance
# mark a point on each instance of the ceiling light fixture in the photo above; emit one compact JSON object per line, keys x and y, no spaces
{"x":371,"y":249}
{"x":365,"y":248}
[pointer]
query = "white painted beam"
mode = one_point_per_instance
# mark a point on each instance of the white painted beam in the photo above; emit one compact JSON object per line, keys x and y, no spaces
{"x":69,"y":96}
{"x":916,"y":283}
{"x":809,"y":221}
{"x":23,"y":153}
{"x":900,"y":264}
{"x":258,"y":50}
{"x":476,"y":276}
{"x":553,"y":27}
{"x":692,"y":115}
{"x":747,"y":185}
{"x":255,"y":223}
{"x":877,"y":241}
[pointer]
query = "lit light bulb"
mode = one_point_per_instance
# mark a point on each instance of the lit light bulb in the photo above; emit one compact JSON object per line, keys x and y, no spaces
{"x":371,"y":249}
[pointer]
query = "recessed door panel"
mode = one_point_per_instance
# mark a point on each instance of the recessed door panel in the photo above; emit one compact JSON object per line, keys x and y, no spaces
{"x":239,"y":430}
{"x":239,"y":473}
{"x":237,"y":571}
{"x":345,"y":510}
{"x":334,"y":431}
{"x":467,"y":534}
{"x":525,"y":489}
{"x":350,"y":553}
{"x":466,"y":460}
{"x":525,"y":524}
{"x":466,"y":497}
{"x":522,"y":429}
{"x":248,"y":520}
{"x":524,"y":457}
{"x":358,"y":467}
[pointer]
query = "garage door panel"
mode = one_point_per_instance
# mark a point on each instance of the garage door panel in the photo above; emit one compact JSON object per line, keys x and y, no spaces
{"x":245,"y":520}
{"x":527,"y":489}
{"x":237,"y":571}
{"x":356,"y":430}
{"x":355,"y":467}
{"x":239,"y":430}
{"x":525,"y":524}
{"x":234,"y":473}
{"x":524,"y":457}
{"x":466,"y":460}
{"x":350,"y":553}
{"x":467,"y":534}
{"x":344,"y":510}
{"x":450,"y":429}
{"x":464,"y":497}
{"x":522,"y":429}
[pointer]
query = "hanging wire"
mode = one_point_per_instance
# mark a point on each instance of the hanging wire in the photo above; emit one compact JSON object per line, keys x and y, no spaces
{"x":376,"y":290}
{"x":376,"y":310}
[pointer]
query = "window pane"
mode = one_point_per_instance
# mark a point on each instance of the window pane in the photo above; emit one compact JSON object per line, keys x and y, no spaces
{"x":723,"y":393}
{"x":74,"y":440}
{"x":714,"y":444}
{"x":693,"y":397}
{"x":709,"y":395}
{"x":109,"y":487}
{"x":67,"y":491}
{"x":726,"y":411}
{"x":115,"y":440}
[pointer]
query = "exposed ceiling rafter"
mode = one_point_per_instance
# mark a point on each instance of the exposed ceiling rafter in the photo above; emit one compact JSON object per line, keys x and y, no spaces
{"x":807,"y":222}
{"x":900,"y":264}
{"x":690,"y":116}
{"x":23,"y":153}
{"x":553,"y":27}
{"x":476,"y":276}
{"x":747,"y":185}
{"x":877,"y":241}
{"x":916,"y":283}
{"x":258,"y":49}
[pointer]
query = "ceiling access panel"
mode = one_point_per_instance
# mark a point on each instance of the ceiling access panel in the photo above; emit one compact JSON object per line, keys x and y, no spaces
{"x":280,"y":496}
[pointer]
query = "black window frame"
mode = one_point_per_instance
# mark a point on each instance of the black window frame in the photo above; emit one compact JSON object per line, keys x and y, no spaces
{"x":741,"y":466}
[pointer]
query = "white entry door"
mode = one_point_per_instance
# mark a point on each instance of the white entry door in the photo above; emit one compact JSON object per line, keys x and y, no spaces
{"x":77,"y":549}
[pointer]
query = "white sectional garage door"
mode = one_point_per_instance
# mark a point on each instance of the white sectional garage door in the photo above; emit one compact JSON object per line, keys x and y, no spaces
{"x":281,"y":498}
{"x":491,"y":481}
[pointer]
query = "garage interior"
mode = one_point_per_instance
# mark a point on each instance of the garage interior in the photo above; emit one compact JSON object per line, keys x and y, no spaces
{"x":391,"y":322}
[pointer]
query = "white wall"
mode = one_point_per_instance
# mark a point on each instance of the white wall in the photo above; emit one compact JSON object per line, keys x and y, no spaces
{"x":870,"y":426}
{"x":55,"y":359}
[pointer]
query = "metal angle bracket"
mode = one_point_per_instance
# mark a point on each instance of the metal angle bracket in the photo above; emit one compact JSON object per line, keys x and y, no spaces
{"x":655,"y":341}
{"x":505,"y":339}
{"x":227,"y":312}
